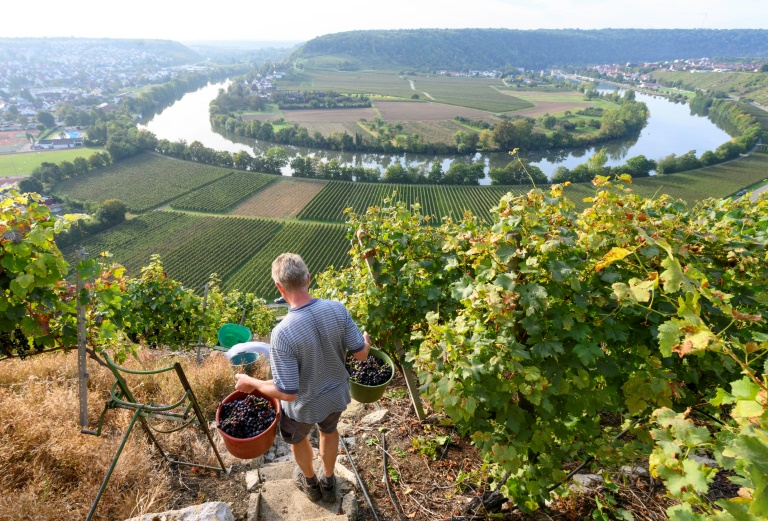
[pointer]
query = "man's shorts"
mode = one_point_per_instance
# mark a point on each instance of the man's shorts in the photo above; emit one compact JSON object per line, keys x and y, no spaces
{"x":293,"y":432}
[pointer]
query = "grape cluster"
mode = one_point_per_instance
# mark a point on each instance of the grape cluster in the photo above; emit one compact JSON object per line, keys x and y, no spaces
{"x":246,"y":418}
{"x":371,"y":371}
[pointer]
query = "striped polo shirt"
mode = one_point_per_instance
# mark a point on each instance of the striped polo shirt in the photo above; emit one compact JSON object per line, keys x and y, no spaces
{"x":307,"y":354}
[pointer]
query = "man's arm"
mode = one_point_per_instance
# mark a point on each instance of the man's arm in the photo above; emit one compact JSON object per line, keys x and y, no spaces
{"x":363,"y":353}
{"x":248,"y":384}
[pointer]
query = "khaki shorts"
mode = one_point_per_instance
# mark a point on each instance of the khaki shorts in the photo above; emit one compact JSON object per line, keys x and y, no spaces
{"x":293,"y":432}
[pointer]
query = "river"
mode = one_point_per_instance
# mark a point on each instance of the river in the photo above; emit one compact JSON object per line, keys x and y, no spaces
{"x":671,"y":128}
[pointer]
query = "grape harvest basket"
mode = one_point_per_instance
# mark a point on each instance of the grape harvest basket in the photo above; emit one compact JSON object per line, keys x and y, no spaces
{"x":372,"y":393}
{"x":253,"y":447}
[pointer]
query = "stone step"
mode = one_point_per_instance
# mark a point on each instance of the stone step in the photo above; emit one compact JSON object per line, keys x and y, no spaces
{"x":282,"y":501}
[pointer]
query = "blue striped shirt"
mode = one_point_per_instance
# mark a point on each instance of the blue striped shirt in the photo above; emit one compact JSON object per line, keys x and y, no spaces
{"x":307,"y":355}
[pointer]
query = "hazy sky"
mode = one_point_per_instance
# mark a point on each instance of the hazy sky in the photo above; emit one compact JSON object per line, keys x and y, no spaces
{"x":304,"y":19}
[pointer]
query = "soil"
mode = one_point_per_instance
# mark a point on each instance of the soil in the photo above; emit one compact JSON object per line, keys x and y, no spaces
{"x":283,"y":200}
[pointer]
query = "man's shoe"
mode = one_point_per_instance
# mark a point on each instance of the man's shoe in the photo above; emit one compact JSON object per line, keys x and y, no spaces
{"x":329,"y":492}
{"x":311,"y":490}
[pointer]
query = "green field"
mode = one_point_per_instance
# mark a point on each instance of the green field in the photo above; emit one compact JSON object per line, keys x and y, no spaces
{"x":142,"y":182}
{"x":23,"y":163}
{"x":476,"y":93}
{"x":223,"y":194}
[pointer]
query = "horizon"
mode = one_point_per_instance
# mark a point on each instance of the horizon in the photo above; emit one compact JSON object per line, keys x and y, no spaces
{"x":175,"y":21}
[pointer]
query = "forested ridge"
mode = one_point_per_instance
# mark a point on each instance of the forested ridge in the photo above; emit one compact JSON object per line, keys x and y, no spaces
{"x":533,"y":49}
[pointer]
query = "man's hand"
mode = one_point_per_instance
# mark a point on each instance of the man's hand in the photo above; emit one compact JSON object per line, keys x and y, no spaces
{"x":246,"y":384}
{"x":363,"y":353}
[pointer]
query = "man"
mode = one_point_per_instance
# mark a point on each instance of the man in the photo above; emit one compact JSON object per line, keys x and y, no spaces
{"x":307,"y":356}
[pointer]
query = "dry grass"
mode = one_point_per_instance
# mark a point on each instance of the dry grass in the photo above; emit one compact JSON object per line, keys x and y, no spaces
{"x":50,"y":471}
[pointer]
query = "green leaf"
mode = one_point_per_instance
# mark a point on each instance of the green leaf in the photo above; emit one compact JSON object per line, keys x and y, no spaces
{"x":673,"y":277}
{"x":25,"y":280}
{"x":747,"y":409}
{"x":587,"y":353}
{"x":669,"y":334}
{"x":683,"y":513}
{"x":754,"y":451}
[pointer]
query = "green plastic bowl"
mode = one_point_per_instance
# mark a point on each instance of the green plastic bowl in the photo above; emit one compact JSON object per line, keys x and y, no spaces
{"x":231,"y":334}
{"x":246,"y":359}
{"x":372,"y":393}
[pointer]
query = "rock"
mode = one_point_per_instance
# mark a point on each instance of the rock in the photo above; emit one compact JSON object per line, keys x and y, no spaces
{"x":353,"y":410}
{"x":375,"y":417}
{"x":586,"y":482}
{"x":633,"y":471}
{"x":257,"y":462}
{"x":213,"y":511}
{"x":343,"y":472}
{"x":703,"y":460}
{"x":253,"y":507}
{"x":252,"y":479}
{"x":349,"y":506}
{"x":344,"y":428}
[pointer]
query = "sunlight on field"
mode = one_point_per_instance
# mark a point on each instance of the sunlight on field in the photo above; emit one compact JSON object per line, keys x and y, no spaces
{"x":25,"y":163}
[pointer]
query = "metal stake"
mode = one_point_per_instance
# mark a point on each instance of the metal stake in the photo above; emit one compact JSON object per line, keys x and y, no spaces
{"x":82,"y":367}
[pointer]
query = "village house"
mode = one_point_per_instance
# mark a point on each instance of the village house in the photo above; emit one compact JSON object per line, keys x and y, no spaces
{"x":54,"y":144}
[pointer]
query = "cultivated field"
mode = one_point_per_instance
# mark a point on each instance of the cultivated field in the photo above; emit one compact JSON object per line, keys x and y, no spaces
{"x":441,"y":131}
{"x":409,"y":111}
{"x":476,"y":93}
{"x":142,"y":182}
{"x":23,"y":163}
{"x":750,"y":84}
{"x":320,"y":245}
{"x":328,"y":115}
{"x":714,"y":181}
{"x":328,"y":128}
{"x":192,"y":247}
{"x":436,"y":201}
{"x":549,"y":102}
{"x":224,"y":193}
{"x":281,"y":200}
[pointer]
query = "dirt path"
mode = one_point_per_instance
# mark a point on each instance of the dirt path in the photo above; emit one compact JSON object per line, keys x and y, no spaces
{"x":427,"y":95}
{"x":413,"y":87}
{"x":756,"y":193}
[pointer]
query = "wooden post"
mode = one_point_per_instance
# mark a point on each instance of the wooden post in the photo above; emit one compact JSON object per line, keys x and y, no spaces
{"x":410,"y":382}
{"x":82,"y":368}
{"x":198,"y":357}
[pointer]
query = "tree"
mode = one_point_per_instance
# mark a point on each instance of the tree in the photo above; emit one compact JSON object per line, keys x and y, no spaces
{"x":112,"y":211}
{"x":548,"y":121}
{"x":435,"y":174}
{"x":276,"y":158}
{"x":639,"y":166}
{"x":30,"y":184}
{"x":46,"y":118}
{"x":518,"y":172}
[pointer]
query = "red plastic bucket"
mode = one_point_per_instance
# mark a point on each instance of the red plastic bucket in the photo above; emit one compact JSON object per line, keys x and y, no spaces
{"x":249,"y":448}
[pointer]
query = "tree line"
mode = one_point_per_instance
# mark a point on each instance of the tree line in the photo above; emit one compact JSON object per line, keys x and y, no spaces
{"x":464,"y":49}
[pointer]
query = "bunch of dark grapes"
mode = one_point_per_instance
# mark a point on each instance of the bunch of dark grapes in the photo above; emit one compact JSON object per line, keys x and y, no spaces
{"x":371,"y":371}
{"x":246,"y":418}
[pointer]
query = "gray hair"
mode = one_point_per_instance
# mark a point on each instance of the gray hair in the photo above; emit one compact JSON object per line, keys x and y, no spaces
{"x":290,"y":271}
